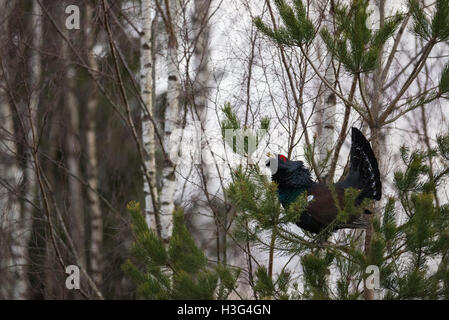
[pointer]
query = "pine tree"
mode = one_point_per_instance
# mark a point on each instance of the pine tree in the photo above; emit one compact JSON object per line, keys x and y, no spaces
{"x":420,"y":242}
{"x":409,"y":245}
{"x":177,"y":271}
{"x":358,"y":48}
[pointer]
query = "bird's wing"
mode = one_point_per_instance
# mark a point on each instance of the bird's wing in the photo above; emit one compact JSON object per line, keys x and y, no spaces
{"x":322,"y":207}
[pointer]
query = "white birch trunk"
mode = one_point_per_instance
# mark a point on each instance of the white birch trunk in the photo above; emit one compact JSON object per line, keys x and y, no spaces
{"x":148,"y":130}
{"x":22,"y":231}
{"x":201,"y":55}
{"x":13,"y":284}
{"x":167,"y":195}
{"x":9,"y":171}
{"x":201,"y":29}
{"x":96,"y":220}
{"x":326,"y":114}
{"x":327,"y":103}
{"x":76,"y":212}
{"x":207,"y":219}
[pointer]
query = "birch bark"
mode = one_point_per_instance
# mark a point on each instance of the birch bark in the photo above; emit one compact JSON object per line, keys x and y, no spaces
{"x":14,"y":284}
{"x":148,"y":130}
{"x":201,"y":29}
{"x":327,"y":103}
{"x":172,"y":124}
{"x":96,"y":220}
{"x":76,"y":212}
{"x":21,"y":233}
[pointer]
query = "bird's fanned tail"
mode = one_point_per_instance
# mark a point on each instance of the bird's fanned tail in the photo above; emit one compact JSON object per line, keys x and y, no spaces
{"x":364,"y":171}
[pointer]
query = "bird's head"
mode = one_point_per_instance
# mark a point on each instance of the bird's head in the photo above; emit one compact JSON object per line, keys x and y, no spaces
{"x":288,"y":173}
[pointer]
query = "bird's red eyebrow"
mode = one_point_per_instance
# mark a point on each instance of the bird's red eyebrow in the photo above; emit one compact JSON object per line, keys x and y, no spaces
{"x":283,"y":158}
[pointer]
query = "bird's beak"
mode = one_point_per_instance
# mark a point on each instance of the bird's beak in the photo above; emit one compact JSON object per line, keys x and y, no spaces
{"x":267,"y":164}
{"x":272,"y":163}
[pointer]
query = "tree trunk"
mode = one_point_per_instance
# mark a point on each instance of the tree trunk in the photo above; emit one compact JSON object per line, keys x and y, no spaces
{"x":211,"y":220}
{"x":148,"y":129}
{"x":22,"y":232}
{"x":13,"y":282}
{"x":10,"y":218}
{"x":76,"y":212}
{"x":200,"y":93}
{"x":201,"y":31}
{"x":377,"y":140}
{"x":327,"y":102}
{"x":378,"y":145}
{"x":172,"y":123}
{"x":96,"y":220}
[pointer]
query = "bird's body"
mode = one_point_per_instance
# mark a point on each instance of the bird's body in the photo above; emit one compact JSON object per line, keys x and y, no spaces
{"x":293,"y":179}
{"x":321,"y":210}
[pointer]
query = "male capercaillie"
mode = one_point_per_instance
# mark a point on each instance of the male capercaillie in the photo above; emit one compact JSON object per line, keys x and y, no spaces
{"x":293,"y":178}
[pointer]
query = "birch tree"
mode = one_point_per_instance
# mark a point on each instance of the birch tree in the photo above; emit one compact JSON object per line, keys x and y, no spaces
{"x":22,"y":232}
{"x":202,"y":55}
{"x":148,"y":129}
{"x":14,"y":282}
{"x":172,"y":121}
{"x":96,"y":219}
{"x":327,"y":102}
{"x":199,"y":85}
{"x":76,"y":212}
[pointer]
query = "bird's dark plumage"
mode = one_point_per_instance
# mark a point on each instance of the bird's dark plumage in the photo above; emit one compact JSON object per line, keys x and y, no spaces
{"x":293,"y":178}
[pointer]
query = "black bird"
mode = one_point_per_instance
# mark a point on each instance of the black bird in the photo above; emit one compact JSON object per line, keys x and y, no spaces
{"x":293,"y":179}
